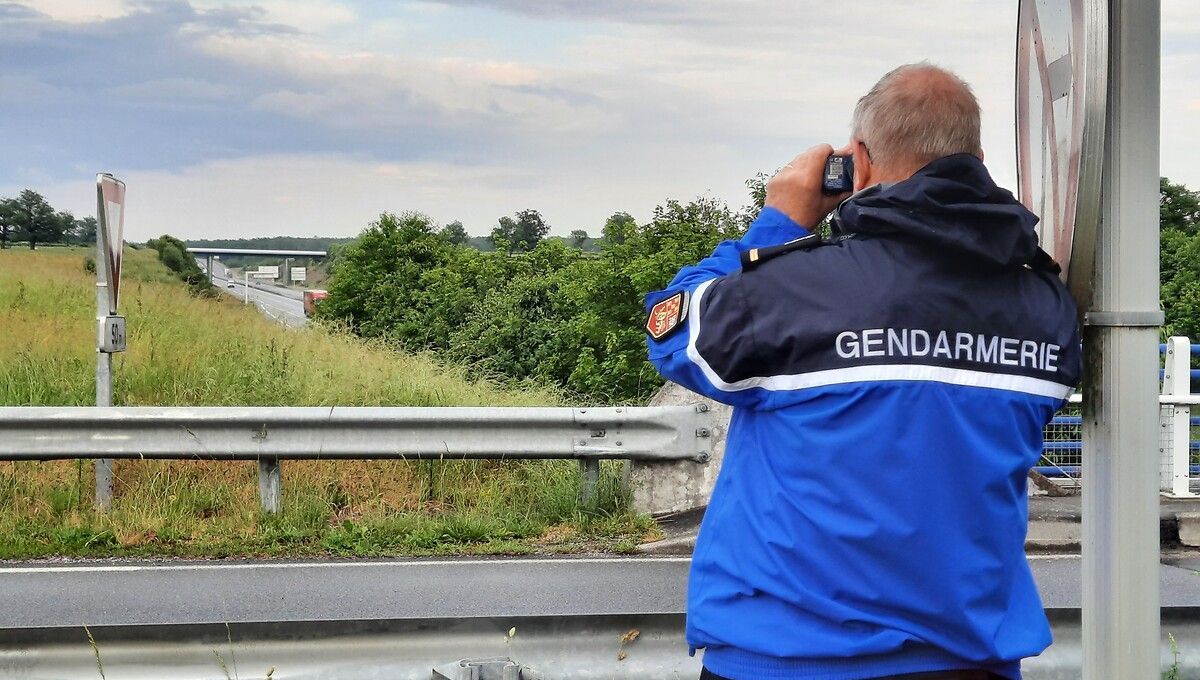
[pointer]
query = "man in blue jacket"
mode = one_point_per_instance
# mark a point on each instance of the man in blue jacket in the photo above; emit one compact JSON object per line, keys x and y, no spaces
{"x":889,"y":386}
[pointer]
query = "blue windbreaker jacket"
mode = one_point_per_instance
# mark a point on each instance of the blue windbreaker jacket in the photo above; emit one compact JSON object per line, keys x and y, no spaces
{"x":890,"y":388}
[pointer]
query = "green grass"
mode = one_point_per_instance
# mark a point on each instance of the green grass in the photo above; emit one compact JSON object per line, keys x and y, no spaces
{"x":189,"y":351}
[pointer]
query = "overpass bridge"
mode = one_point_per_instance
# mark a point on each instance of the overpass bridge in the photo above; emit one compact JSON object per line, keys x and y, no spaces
{"x":210,"y":253}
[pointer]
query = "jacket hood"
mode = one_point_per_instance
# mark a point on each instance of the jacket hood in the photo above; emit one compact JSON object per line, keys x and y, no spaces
{"x":951,"y":204}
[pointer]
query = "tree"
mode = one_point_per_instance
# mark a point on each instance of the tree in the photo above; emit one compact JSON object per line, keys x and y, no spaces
{"x":1179,"y":258}
{"x":530,"y":229}
{"x":504,"y":234}
{"x":36,"y":219}
{"x":391,"y":282}
{"x":521,"y":234}
{"x":66,"y":225}
{"x":758,"y":190}
{"x":85,"y":230}
{"x":455,"y":233}
{"x":1178,"y":208}
{"x":9,"y":223}
{"x":611,"y":360}
{"x":618,"y":227}
{"x":173,"y":257}
{"x":525,"y":327}
{"x":578,"y":238}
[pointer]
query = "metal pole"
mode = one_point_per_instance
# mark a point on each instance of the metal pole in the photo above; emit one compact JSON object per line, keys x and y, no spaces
{"x":246,"y":286}
{"x":210,"y":269}
{"x":1120,"y":424}
{"x":270,"y":483}
{"x":104,"y":476}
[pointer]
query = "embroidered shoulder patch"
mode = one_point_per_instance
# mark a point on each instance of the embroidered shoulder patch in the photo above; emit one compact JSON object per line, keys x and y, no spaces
{"x":667,"y":316}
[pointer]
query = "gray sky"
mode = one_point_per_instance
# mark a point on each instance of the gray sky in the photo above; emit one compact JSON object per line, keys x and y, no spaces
{"x":309,"y":117}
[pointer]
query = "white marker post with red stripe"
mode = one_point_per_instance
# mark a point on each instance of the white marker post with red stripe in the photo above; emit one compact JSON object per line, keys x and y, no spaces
{"x":110,"y":327}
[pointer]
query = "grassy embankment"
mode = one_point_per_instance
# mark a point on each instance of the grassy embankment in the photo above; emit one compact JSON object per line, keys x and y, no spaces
{"x":188,"y":351}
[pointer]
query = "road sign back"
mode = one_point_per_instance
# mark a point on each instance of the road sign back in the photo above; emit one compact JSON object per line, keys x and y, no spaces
{"x":1062,"y":73}
{"x":110,"y":218}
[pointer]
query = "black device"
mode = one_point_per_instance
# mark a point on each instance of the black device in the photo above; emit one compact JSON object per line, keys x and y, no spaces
{"x":839,"y":175}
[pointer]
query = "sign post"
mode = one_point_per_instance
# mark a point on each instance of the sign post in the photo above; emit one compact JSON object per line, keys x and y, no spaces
{"x":110,"y":327}
{"x":1087,"y":146}
{"x":1121,"y":412}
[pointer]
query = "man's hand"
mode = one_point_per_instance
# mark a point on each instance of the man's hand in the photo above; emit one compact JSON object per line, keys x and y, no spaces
{"x":796,"y":189}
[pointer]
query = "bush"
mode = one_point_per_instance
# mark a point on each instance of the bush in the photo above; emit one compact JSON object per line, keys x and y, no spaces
{"x":173,"y":254}
{"x":551,"y":315}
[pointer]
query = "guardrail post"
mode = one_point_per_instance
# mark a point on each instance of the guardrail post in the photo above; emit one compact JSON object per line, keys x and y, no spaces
{"x":1177,"y":381}
{"x":589,"y":468}
{"x":270,"y":481}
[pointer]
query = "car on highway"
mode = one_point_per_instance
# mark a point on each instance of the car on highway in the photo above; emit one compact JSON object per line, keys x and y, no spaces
{"x":229,"y":284}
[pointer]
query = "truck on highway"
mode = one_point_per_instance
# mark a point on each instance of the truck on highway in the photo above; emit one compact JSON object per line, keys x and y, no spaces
{"x":310,"y":300}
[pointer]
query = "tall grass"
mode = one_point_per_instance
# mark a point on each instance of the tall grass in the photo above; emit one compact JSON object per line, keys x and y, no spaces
{"x":186,"y":351}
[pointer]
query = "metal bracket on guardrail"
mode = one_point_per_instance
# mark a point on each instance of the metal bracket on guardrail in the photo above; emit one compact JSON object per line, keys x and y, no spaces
{"x":496,"y":668}
{"x":613,"y":432}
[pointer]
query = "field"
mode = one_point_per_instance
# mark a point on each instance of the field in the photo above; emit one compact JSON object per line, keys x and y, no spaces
{"x":188,"y":351}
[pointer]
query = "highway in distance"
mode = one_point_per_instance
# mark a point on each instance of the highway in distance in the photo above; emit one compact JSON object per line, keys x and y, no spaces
{"x":284,"y":305}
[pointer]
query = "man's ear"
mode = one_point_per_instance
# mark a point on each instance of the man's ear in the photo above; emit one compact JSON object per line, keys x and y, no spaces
{"x":862,"y":164}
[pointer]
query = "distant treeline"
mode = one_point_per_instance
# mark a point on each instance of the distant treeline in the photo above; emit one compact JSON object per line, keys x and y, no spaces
{"x":522,"y":232}
{"x":30,"y":218}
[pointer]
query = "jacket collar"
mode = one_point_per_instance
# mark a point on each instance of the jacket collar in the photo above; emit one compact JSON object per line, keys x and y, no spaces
{"x":954,"y":206}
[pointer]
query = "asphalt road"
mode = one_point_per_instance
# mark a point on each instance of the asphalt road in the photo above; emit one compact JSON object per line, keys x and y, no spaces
{"x":46,"y":595}
{"x":283,"y":305}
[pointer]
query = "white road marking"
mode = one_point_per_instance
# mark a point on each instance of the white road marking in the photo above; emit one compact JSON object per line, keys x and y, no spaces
{"x":98,"y":568}
{"x":69,"y":568}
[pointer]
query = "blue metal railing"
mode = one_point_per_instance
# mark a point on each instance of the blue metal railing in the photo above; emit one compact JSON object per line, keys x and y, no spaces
{"x":1162,"y":349}
{"x":1073,"y":447}
{"x":1073,"y":470}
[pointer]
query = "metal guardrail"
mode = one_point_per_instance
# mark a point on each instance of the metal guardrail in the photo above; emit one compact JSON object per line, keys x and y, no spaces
{"x":271,"y":434}
{"x":253,"y":433}
{"x":614,"y":647}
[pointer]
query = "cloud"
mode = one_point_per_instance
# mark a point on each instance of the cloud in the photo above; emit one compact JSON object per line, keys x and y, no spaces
{"x":169,"y":85}
{"x":75,"y":11}
{"x":309,"y":16}
{"x":324,"y":194}
{"x":109,"y":92}
{"x":673,"y":12}
{"x":490,"y":106}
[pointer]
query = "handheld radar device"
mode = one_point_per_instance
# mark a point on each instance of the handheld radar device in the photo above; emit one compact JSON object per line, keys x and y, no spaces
{"x":839,"y":175}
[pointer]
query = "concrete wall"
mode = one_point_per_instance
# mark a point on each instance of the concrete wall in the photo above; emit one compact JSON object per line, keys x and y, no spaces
{"x":660,"y":488}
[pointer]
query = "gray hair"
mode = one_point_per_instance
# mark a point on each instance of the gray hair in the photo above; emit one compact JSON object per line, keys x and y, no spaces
{"x":916,"y":114}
